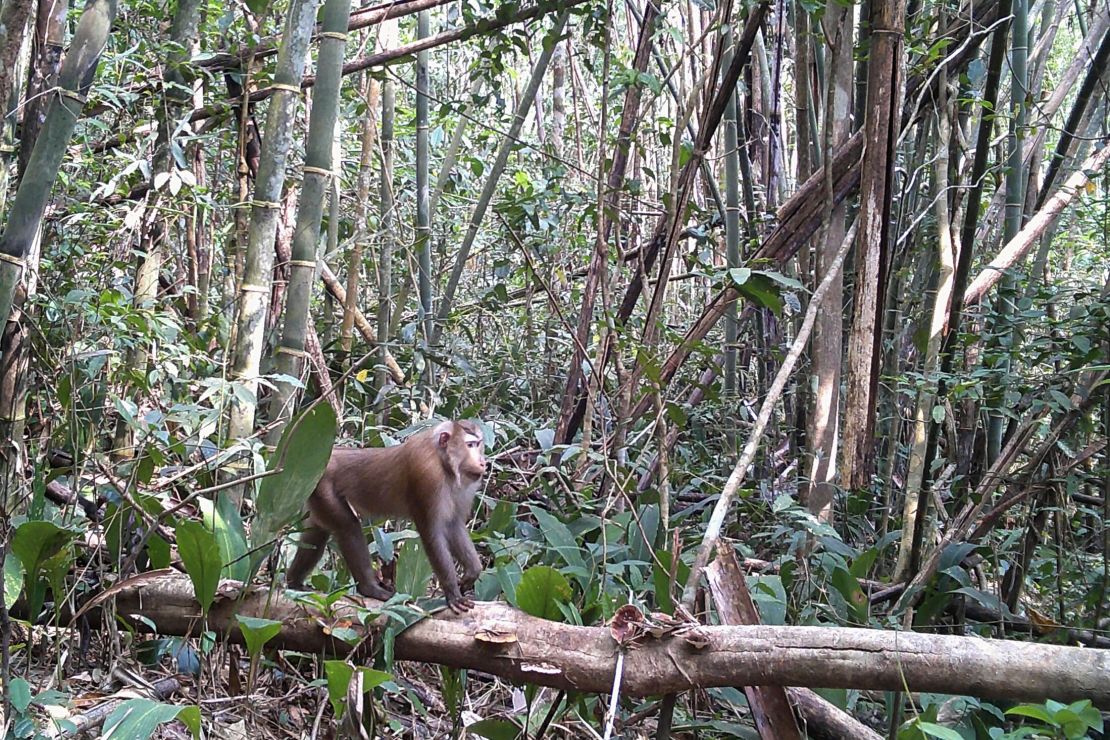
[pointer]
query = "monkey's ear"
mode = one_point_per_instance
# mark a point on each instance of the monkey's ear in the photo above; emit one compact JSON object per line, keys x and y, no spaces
{"x":442,"y":433}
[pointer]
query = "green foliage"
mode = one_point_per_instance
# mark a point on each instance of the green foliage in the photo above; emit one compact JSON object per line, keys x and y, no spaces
{"x":339,"y":675}
{"x":298,"y":462}
{"x":414,"y":571}
{"x":136,"y":719}
{"x":1070,"y":721}
{"x":200,"y":554}
{"x":226,"y":524}
{"x":542,"y":592}
{"x":257,"y":632}
{"x":43,"y":549}
{"x":13,"y":579}
{"x":494,"y":729}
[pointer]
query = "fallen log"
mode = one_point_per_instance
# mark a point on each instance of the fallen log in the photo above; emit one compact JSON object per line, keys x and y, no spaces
{"x":503,"y":641}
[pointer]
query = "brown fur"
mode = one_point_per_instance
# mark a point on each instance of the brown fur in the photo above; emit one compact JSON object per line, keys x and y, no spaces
{"x":430,"y":479}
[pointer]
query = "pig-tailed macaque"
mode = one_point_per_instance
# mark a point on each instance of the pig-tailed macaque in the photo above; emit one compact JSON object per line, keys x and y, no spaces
{"x":429,"y":479}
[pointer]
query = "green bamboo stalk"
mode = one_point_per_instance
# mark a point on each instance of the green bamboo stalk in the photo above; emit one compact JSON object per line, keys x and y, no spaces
{"x":423,"y":243}
{"x":385,"y":260}
{"x":318,"y":175}
{"x":74,"y":80}
{"x":254,"y":291}
{"x":1015,"y":209}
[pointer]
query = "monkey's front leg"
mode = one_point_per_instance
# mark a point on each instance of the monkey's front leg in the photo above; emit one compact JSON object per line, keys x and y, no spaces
{"x":462,"y":547}
{"x":439,"y":553}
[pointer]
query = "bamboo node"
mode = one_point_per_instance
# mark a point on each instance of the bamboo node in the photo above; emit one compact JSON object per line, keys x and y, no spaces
{"x":266,"y":204}
{"x":250,"y":288}
{"x":295,"y":89}
{"x":337,"y":35}
{"x":302,"y":263}
{"x":74,"y":96}
{"x":291,"y":351}
{"x":310,"y":170}
{"x":18,"y":261}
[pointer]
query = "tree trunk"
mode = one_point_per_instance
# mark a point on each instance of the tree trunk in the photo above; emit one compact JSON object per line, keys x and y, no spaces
{"x":423,"y":242}
{"x":916,"y":503}
{"x":47,"y":45}
{"x":385,"y":259}
{"x":369,"y":142}
{"x":497,"y":639}
{"x":822,"y":432}
{"x":881,"y":126}
{"x":13,"y":27}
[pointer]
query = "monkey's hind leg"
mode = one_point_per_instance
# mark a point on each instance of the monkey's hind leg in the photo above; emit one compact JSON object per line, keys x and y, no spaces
{"x":309,"y":551}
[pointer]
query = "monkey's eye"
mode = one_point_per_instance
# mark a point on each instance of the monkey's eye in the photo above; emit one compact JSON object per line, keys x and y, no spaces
{"x":472,"y":444}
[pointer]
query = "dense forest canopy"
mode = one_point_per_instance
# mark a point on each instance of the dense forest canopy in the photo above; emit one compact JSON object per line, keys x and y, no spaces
{"x":793,"y":314}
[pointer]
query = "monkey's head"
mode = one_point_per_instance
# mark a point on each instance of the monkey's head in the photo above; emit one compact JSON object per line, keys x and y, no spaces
{"x":462,"y":445}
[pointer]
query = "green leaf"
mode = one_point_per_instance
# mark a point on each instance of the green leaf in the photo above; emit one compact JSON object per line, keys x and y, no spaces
{"x":845,"y":583}
{"x":1035,"y":711}
{"x":503,"y":518}
{"x":540,"y":592}
{"x":200,"y":553}
{"x":938,"y":413}
{"x":20,"y":694}
{"x":258,"y":7}
{"x":661,"y":578}
{"x":303,"y":453}
{"x":225,"y":522}
{"x":934,"y":730}
{"x":413,"y":569}
{"x":559,"y":537}
{"x":494,"y":729}
{"x":761,"y":290}
{"x":13,"y":579}
{"x":257,"y":632}
{"x":648,"y":527}
{"x":339,"y":674}
{"x":136,"y":719}
{"x":35,"y":542}
{"x":739,"y":275}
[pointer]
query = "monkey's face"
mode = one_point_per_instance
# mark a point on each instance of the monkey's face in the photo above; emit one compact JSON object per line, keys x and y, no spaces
{"x":473,"y":463}
{"x":462,"y":445}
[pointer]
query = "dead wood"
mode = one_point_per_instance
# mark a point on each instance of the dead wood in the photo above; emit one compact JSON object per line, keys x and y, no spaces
{"x":500,"y":640}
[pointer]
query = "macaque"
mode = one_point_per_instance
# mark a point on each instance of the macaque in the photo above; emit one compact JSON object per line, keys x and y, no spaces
{"x":429,"y":479}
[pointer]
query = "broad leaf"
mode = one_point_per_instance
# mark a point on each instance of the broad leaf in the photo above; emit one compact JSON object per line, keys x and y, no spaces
{"x":224,"y":521}
{"x":540,"y":592}
{"x":257,"y":632}
{"x":302,"y":454}
{"x":494,"y":729}
{"x":559,"y":537}
{"x":136,"y":719}
{"x":200,"y":553}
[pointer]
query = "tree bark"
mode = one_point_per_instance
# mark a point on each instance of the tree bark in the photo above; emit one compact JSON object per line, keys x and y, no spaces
{"x":497,"y":639}
{"x":881,"y":126}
